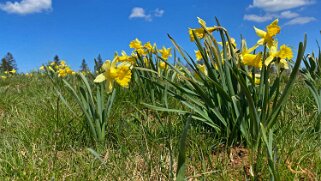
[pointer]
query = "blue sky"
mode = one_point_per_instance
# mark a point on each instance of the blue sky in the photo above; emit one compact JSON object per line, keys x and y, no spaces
{"x":34,"y":31}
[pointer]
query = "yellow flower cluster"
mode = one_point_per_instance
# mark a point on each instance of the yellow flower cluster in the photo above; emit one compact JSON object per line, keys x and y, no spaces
{"x":143,"y":51}
{"x":61,"y":69}
{"x":64,"y":70}
{"x":11,"y":72}
{"x":267,"y":38}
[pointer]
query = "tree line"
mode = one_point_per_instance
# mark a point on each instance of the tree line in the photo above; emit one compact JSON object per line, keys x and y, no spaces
{"x":8,"y":63}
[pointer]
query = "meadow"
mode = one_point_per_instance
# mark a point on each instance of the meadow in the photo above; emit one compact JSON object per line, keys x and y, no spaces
{"x":225,"y":112}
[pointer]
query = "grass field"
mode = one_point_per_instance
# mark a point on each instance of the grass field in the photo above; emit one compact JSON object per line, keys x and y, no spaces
{"x":41,"y":139}
{"x":229,"y":114}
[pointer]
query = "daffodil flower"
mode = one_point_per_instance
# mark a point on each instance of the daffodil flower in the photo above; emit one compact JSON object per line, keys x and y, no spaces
{"x":112,"y":72}
{"x":202,"y":68}
{"x":125,"y":58}
{"x":248,"y":58}
{"x":135,"y":44}
{"x":198,"y":55}
{"x":162,"y":65}
{"x":283,"y":54}
{"x":165,"y":53}
{"x":200,"y":32}
{"x":267,"y":37}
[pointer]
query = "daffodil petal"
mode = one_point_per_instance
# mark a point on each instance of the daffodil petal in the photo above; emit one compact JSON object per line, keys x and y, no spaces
{"x":100,"y":78}
{"x":259,"y":32}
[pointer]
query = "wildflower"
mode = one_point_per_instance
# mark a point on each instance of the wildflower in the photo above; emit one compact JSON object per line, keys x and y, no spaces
{"x":162,"y":65}
{"x":125,"y":58}
{"x":284,"y":53}
{"x":121,"y":74}
{"x":13,"y":71}
{"x":198,"y":55}
{"x":149,"y":47}
{"x":253,"y":60}
{"x":165,"y":52}
{"x":141,"y":51}
{"x":135,"y":44}
{"x":200,"y":32}
{"x":248,"y":58}
{"x":257,"y":78}
{"x":202,"y":68}
{"x":267,"y":37}
{"x":233,"y":42}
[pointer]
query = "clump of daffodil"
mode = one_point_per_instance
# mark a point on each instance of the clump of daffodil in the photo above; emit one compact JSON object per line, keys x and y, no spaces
{"x":63,"y":69}
{"x":121,"y":73}
{"x":200,"y":32}
{"x":267,"y":37}
{"x":13,"y":71}
{"x":285,"y":53}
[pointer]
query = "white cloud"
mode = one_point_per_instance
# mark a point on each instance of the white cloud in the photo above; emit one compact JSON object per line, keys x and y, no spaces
{"x":280,"y":9}
{"x":300,"y":21}
{"x":159,"y":12}
{"x":26,"y":6}
{"x":256,"y":18}
{"x":138,"y":12}
{"x":279,"y":5}
{"x":289,"y":14}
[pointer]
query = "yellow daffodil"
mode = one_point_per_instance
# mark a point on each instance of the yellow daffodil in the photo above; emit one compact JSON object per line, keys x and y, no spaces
{"x":135,"y":44}
{"x":162,"y":65}
{"x":141,"y":51}
{"x":202,"y":68}
{"x":149,"y":47}
{"x":283,"y":54}
{"x":13,"y":71}
{"x":112,"y":72}
{"x":165,"y":53}
{"x":248,"y":58}
{"x":6,"y":72}
{"x":200,"y":32}
{"x":125,"y":58}
{"x":267,"y":37}
{"x":198,"y":55}
{"x":233,"y":42}
{"x":253,"y":60}
{"x":257,"y":78}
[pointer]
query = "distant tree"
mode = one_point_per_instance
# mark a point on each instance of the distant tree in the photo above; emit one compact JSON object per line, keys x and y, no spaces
{"x":8,"y":63}
{"x":98,"y":63}
{"x":56,"y":60}
{"x":84,"y":66}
